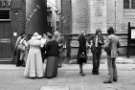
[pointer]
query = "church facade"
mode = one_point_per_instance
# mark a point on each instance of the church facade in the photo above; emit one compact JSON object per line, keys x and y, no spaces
{"x":70,"y":17}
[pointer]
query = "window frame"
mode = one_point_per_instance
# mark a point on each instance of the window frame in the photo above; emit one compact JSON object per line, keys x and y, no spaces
{"x":130,"y":4}
{"x":133,"y":4}
{"x":5,"y":5}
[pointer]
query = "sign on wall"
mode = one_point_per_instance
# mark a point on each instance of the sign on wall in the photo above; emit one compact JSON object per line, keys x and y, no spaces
{"x":98,"y":15}
{"x":133,"y":34}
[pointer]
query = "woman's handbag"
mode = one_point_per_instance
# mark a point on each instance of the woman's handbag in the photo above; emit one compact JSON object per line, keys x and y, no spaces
{"x":82,"y":56}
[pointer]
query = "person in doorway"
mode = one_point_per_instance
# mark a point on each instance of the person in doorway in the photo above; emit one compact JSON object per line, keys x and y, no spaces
{"x":52,"y":54}
{"x":82,"y":56}
{"x":96,"y":49}
{"x":34,"y":66}
{"x":111,"y":47}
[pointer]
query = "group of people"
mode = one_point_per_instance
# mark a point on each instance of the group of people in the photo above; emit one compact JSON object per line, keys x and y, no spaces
{"x":35,"y":50}
{"x":110,"y":44}
{"x":21,"y":50}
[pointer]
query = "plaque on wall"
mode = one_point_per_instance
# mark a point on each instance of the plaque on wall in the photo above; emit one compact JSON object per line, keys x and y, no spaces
{"x":133,"y":34}
{"x":74,"y":43}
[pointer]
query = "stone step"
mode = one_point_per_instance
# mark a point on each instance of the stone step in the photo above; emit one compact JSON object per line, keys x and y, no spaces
{"x":54,"y":88}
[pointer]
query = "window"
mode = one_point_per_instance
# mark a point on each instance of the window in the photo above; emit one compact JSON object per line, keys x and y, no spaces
{"x":5,"y":9}
{"x":126,"y":4}
{"x":129,"y":4}
{"x":4,"y":14}
{"x":133,"y":4}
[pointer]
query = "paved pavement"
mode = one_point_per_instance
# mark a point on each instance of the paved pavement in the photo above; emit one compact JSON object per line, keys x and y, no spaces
{"x":11,"y":78}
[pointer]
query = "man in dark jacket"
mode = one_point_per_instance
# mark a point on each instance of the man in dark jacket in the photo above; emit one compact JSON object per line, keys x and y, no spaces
{"x":96,"y":49}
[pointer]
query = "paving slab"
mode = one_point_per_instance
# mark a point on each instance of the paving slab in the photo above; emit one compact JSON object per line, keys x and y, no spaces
{"x":12,"y":78}
{"x":54,"y":88}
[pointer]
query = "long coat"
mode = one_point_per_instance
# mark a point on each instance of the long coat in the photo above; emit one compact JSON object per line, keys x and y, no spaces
{"x":82,"y":48}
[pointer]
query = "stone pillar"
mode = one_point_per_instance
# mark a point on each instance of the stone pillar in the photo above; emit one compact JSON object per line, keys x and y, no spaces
{"x":36,"y":18}
{"x":80,"y":16}
{"x":66,"y":16}
{"x":98,"y":15}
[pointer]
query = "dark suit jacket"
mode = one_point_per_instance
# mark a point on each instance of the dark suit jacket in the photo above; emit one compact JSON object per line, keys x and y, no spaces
{"x":95,"y":49}
{"x":52,"y":48}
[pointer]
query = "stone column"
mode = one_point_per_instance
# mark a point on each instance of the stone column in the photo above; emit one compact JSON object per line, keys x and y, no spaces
{"x":80,"y":16}
{"x":36,"y":18}
{"x":66,"y":16}
{"x":98,"y":15}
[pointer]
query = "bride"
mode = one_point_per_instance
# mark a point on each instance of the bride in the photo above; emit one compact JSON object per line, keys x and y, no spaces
{"x":34,"y":65}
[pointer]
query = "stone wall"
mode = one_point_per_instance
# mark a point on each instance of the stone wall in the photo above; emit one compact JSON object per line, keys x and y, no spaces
{"x":18,"y":16}
{"x":119,"y":15}
{"x":116,"y":16}
{"x":66,"y":24}
{"x":80,"y":16}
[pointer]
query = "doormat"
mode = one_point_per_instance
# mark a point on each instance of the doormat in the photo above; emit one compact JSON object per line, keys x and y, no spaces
{"x":54,"y":88}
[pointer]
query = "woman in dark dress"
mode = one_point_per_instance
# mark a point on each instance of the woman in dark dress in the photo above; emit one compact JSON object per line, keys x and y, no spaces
{"x":82,"y":56}
{"x":52,"y":53}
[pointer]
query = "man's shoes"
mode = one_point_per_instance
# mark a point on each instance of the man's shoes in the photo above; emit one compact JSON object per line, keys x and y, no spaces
{"x":23,"y":65}
{"x":115,"y":80}
{"x":82,"y":74}
{"x":95,"y":73}
{"x":107,"y":82}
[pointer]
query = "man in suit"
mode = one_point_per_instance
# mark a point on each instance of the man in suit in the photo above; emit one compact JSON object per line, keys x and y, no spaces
{"x":96,"y":50}
{"x":111,"y":47}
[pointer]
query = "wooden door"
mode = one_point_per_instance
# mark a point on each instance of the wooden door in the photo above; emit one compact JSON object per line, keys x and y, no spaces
{"x":6,"y":51}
